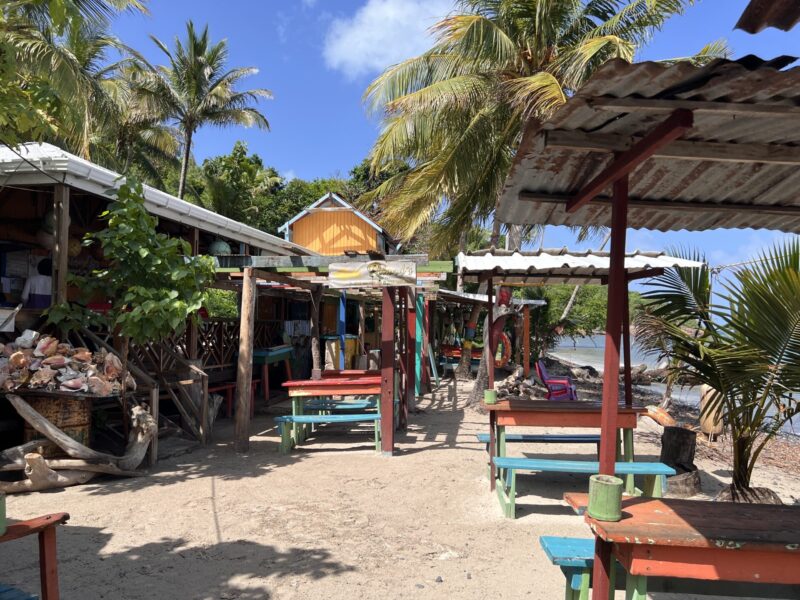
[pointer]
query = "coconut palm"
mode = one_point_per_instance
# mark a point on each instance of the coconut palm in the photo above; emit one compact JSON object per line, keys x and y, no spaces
{"x":197,"y":88}
{"x":746,"y":347}
{"x":456,"y":112}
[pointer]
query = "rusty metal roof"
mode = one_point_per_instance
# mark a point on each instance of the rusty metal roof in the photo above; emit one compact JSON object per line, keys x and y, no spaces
{"x":559,"y":265}
{"x":760,"y":14}
{"x":746,"y":115}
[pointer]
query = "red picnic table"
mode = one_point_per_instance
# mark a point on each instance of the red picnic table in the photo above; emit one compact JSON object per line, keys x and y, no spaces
{"x":45,"y":527}
{"x":710,"y":541}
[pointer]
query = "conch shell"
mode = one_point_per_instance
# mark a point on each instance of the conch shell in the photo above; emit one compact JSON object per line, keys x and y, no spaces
{"x":42,"y":377}
{"x":46,"y":347}
{"x":100,"y":387}
{"x":74,"y":385}
{"x":18,"y":360}
{"x":112,"y":367}
{"x":82,"y":355}
{"x":56,"y":361}
{"x":27,"y":339}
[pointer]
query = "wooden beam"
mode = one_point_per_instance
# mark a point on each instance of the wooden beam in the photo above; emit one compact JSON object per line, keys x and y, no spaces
{"x":265,"y":262}
{"x":680,"y":149}
{"x":340,"y":329}
{"x":244,"y":368}
{"x":721,"y":108}
{"x":672,"y":128}
{"x":61,"y":246}
{"x":411,"y":352}
{"x":387,"y":372}
{"x":278,"y":278}
{"x":316,"y":361}
{"x":488,"y":337}
{"x":526,"y":341}
{"x":676,"y":205}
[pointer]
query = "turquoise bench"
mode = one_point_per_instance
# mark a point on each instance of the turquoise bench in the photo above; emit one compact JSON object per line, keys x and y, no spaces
{"x":575,"y":557}
{"x":287,"y":442}
{"x":546,"y":438}
{"x":9,"y":593}
{"x":655,"y":475}
{"x":329,"y":405}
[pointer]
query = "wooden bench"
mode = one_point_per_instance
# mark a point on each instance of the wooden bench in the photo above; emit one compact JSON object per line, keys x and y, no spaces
{"x":575,"y":557}
{"x":9,"y":593}
{"x":287,"y":441}
{"x":546,"y":438}
{"x":655,"y":475}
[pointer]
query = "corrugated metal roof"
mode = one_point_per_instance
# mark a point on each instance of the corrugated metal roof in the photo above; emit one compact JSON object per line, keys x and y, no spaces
{"x":749,"y":105}
{"x":467,"y":298}
{"x":44,"y":163}
{"x":760,"y":14}
{"x":559,"y":265}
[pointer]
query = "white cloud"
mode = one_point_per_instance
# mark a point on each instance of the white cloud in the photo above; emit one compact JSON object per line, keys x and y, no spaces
{"x":381,"y":33}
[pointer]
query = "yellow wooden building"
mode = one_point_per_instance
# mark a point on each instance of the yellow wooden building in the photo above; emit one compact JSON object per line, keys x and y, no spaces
{"x":332,"y":226}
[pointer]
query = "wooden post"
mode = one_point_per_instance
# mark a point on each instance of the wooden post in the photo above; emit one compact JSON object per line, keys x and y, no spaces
{"x":626,"y":346}
{"x":61,"y":246}
{"x":362,"y":329}
{"x":411,"y":353}
{"x":419,"y":348}
{"x":154,"y":408}
{"x":387,"y":372}
{"x":340,"y":328}
{"x":488,"y":337}
{"x":48,"y":564}
{"x":316,"y":363}
{"x":526,"y":341}
{"x":192,"y":334}
{"x":244,"y":369}
{"x":608,"y":431}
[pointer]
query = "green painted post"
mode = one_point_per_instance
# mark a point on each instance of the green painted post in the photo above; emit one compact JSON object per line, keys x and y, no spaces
{"x":420,"y":302}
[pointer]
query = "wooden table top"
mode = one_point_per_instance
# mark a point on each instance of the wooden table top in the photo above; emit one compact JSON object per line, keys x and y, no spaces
{"x":22,"y":528}
{"x":701,"y":524}
{"x":333,"y":382}
{"x":556,"y":406}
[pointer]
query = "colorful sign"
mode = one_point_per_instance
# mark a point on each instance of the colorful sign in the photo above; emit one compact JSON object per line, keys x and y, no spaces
{"x":372,"y":274}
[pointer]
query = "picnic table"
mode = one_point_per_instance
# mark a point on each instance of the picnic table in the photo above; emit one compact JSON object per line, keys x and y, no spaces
{"x":265,"y":357}
{"x":548,"y":413}
{"x":300,"y":390}
{"x":709,"y":541}
{"x":45,"y":528}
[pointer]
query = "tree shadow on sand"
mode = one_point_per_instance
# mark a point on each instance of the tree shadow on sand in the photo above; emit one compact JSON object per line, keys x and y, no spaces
{"x":167,"y":568}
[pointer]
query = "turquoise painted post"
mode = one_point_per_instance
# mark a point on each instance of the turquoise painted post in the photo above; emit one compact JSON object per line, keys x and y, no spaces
{"x":340,"y":327}
{"x":420,"y":301}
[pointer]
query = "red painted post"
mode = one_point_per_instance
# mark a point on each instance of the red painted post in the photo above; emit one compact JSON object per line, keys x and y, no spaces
{"x":490,"y":337}
{"x":387,"y":372}
{"x":526,"y":341}
{"x":411,"y":352}
{"x":608,"y":430}
{"x":626,"y":345}
{"x":48,"y":563}
{"x":427,"y":340}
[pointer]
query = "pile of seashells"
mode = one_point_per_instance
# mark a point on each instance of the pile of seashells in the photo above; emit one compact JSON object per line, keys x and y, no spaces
{"x":42,"y":362}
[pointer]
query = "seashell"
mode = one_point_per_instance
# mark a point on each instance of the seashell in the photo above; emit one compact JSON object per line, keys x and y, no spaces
{"x":20,"y":377}
{"x":100,"y":386}
{"x":9,"y":349}
{"x":100,"y":356}
{"x":46,"y":347}
{"x":130,"y":383}
{"x":112,"y":367}
{"x":36,"y":364}
{"x":82,"y":355}
{"x":74,"y":385}
{"x":63,"y":348}
{"x":68,"y":373}
{"x":56,"y":361}
{"x":18,"y":360}
{"x":42,"y":377}
{"x":27,"y":339}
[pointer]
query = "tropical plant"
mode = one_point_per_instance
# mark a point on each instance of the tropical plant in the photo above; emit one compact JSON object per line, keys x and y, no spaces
{"x":456,"y":112}
{"x":745,"y":347}
{"x":197,"y":88}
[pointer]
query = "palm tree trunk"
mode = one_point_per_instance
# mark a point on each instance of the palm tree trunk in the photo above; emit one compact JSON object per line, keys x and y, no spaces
{"x":187,"y":150}
{"x":462,"y":247}
{"x":741,"y":460}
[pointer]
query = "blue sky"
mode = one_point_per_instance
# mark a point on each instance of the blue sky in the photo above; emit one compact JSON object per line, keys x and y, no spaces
{"x":318,"y":56}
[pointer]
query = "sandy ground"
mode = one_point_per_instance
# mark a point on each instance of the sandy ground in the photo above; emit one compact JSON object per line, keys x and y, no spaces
{"x":333,"y":520}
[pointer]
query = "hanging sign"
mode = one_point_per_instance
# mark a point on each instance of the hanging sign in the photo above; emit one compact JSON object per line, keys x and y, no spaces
{"x":371,"y":274}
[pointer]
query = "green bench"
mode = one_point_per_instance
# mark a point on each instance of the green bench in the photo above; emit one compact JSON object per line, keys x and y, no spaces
{"x":655,"y":475}
{"x":575,"y":557}
{"x":9,"y":593}
{"x":285,"y":422}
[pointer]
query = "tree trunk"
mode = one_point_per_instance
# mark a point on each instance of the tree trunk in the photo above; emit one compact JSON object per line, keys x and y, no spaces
{"x":187,"y":151}
{"x":494,"y":240}
{"x":666,"y":400}
{"x":462,"y":247}
{"x":514,"y":238}
{"x":741,"y":459}
{"x":465,"y":364}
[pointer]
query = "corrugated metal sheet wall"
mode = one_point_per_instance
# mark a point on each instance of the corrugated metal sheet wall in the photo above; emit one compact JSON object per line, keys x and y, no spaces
{"x":333,"y":232}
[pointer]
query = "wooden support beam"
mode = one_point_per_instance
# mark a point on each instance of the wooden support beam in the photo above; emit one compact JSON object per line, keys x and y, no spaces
{"x":284,"y":279}
{"x":488,"y":334}
{"x":626,"y":347}
{"x":674,"y":205}
{"x":411,"y":352}
{"x":316,"y":361}
{"x":672,"y":128}
{"x":61,"y":246}
{"x":267,"y":262}
{"x":680,"y":149}
{"x":340,"y":328}
{"x":526,"y":341}
{"x":722,"y":108}
{"x":421,"y":344}
{"x":244,"y":368}
{"x":387,"y":372}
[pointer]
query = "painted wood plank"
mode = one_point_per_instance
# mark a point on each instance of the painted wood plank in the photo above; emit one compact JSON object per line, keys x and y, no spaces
{"x":545,"y":438}
{"x":338,"y":418}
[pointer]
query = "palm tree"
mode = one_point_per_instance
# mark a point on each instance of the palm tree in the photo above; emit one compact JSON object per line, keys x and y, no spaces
{"x":197,"y":88}
{"x":746,"y":347}
{"x":456,"y":112}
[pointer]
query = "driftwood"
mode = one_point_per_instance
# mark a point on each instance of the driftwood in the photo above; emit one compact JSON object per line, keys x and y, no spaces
{"x":41,"y":477}
{"x":73,"y":464}
{"x":17,"y":453}
{"x":143,"y":428}
{"x":661,"y":416}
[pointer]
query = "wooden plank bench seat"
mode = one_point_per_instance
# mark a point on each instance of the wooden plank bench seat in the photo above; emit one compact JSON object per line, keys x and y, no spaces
{"x":654,"y":474}
{"x":546,"y":438}
{"x":9,"y":593}
{"x":575,"y":557}
{"x":287,"y":442}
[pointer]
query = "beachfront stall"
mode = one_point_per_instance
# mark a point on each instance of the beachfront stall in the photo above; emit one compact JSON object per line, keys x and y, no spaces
{"x":684,"y":148}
